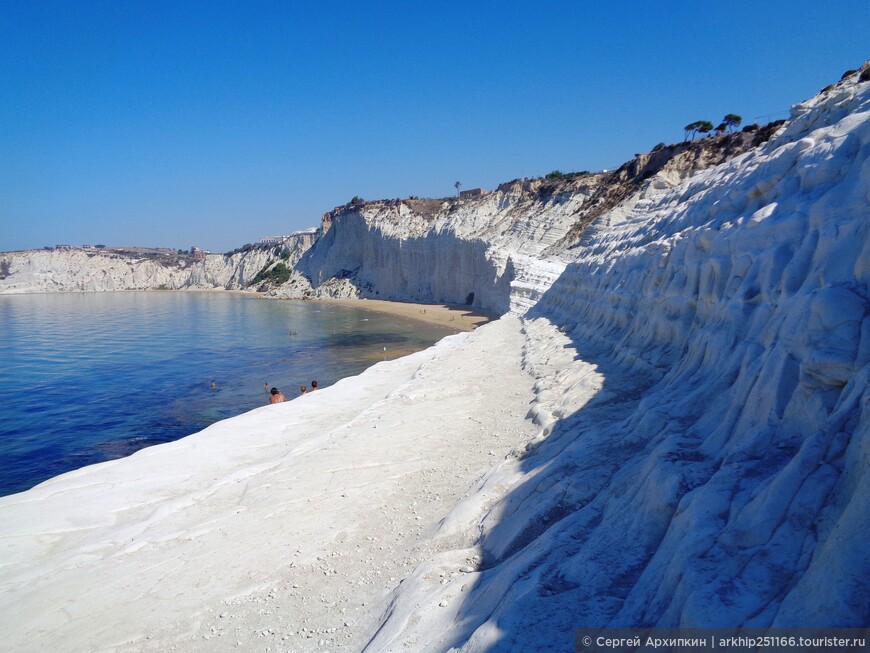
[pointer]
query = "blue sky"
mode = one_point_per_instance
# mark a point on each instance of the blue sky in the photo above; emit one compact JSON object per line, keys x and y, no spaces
{"x":215,"y":123}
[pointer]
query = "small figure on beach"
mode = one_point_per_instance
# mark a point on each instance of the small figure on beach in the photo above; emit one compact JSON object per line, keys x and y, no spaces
{"x":313,"y":385}
{"x":302,"y":389}
{"x":276,"y":396}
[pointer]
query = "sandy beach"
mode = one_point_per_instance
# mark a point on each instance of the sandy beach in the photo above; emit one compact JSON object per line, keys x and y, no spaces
{"x":460,"y":318}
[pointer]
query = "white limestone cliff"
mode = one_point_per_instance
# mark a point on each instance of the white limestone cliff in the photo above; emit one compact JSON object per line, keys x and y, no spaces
{"x":703,"y":368}
{"x":80,"y":270}
{"x":497,"y":252}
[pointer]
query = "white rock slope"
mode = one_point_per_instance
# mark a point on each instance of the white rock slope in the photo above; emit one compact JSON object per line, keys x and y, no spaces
{"x":721,"y":474}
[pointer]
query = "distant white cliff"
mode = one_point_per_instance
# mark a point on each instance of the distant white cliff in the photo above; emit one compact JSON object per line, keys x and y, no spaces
{"x":79,"y":270}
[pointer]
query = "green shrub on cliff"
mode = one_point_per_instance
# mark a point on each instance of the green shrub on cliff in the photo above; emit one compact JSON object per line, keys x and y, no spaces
{"x":558,"y":175}
{"x":278,"y":274}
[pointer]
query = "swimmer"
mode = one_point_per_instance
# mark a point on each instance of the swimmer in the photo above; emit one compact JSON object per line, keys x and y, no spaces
{"x":302,"y":389}
{"x":313,"y":386}
{"x":276,"y":396}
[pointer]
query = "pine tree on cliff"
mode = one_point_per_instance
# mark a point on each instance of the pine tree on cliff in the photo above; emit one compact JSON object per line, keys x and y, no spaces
{"x":457,"y":186}
{"x":699,"y":126}
{"x":732,"y":120}
{"x":690,"y":130}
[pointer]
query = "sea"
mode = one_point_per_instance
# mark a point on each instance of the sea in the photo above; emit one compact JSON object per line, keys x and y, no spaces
{"x":90,"y":377}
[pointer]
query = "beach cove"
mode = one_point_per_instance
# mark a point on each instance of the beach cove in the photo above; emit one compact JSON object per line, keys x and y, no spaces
{"x":90,"y":377}
{"x":291,"y":523}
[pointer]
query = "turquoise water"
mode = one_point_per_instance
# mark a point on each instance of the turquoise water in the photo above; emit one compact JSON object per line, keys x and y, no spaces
{"x":86,"y":378}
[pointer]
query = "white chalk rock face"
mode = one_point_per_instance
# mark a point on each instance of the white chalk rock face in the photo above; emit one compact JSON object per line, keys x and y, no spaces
{"x":499,"y":251}
{"x":470,"y":252}
{"x":94,"y":271}
{"x":720,"y":476}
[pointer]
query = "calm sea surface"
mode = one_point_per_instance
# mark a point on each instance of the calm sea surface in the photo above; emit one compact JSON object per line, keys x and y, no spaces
{"x":86,"y":378}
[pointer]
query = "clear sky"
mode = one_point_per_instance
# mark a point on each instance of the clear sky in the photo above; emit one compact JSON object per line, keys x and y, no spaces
{"x":216,"y":123}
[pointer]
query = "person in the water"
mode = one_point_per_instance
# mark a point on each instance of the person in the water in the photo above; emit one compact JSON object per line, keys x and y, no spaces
{"x":276,"y":396}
